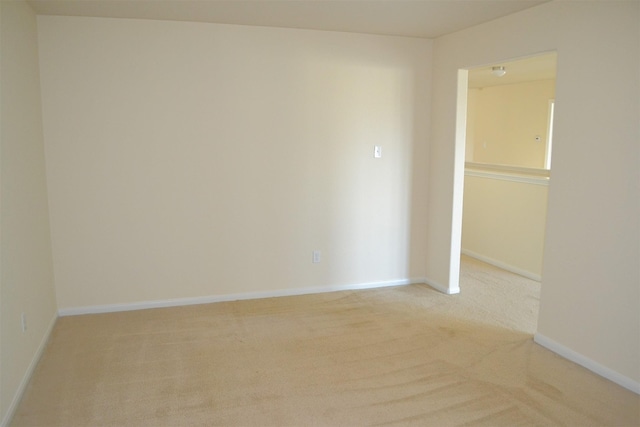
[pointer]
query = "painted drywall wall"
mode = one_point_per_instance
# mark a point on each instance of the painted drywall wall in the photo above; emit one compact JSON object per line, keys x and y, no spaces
{"x":503,"y":222}
{"x":505,"y":122}
{"x":26,"y":274}
{"x":591,"y":280}
{"x":191,"y":159}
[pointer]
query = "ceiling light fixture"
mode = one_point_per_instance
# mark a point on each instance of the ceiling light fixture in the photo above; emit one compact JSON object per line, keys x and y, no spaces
{"x":498,"y":71}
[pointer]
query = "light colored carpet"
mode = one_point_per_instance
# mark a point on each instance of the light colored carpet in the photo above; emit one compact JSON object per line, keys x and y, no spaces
{"x":393,"y":356}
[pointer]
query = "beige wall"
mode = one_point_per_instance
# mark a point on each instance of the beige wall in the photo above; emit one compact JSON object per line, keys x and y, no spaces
{"x":590,"y":280}
{"x":189,"y":159}
{"x":505,"y":122}
{"x":504,"y":223}
{"x":26,"y":279}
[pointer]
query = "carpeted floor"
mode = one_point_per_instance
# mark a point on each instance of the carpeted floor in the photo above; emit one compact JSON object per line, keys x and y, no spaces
{"x":393,"y":356}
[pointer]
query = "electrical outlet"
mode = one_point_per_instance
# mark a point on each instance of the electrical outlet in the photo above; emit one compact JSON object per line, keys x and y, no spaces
{"x":23,"y":320}
{"x":316,"y":257}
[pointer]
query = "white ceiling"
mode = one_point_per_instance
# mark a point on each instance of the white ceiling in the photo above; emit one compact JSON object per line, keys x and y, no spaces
{"x":416,"y":18}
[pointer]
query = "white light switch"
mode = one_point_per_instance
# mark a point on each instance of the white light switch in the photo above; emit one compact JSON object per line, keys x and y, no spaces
{"x":316,"y":256}
{"x":377,"y":151}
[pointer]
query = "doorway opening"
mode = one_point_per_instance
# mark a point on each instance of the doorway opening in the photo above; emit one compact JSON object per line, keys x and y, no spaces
{"x":507,"y":123}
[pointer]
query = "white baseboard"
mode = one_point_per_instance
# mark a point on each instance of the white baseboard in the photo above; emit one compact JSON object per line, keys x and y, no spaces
{"x":581,"y":360}
{"x":111,"y":308}
{"x":441,"y":288}
{"x":502,"y":265}
{"x":27,"y":375}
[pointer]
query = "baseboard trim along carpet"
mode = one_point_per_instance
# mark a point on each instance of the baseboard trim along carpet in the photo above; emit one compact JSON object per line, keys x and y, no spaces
{"x":502,"y":265}
{"x":441,"y":288}
{"x":111,"y":308}
{"x":585,"y":362}
{"x":28,"y":373}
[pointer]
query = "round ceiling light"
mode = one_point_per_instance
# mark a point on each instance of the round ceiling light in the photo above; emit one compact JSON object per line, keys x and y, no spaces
{"x":498,"y":71}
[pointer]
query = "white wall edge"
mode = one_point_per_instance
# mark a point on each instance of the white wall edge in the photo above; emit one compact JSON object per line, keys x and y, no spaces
{"x":17,"y":397}
{"x":441,"y":288}
{"x":457,"y":197}
{"x":502,"y":265}
{"x":111,"y":308}
{"x":585,"y":362}
{"x":535,"y":180}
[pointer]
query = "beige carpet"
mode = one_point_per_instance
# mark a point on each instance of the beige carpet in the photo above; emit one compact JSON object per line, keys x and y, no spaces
{"x":393,"y":356}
